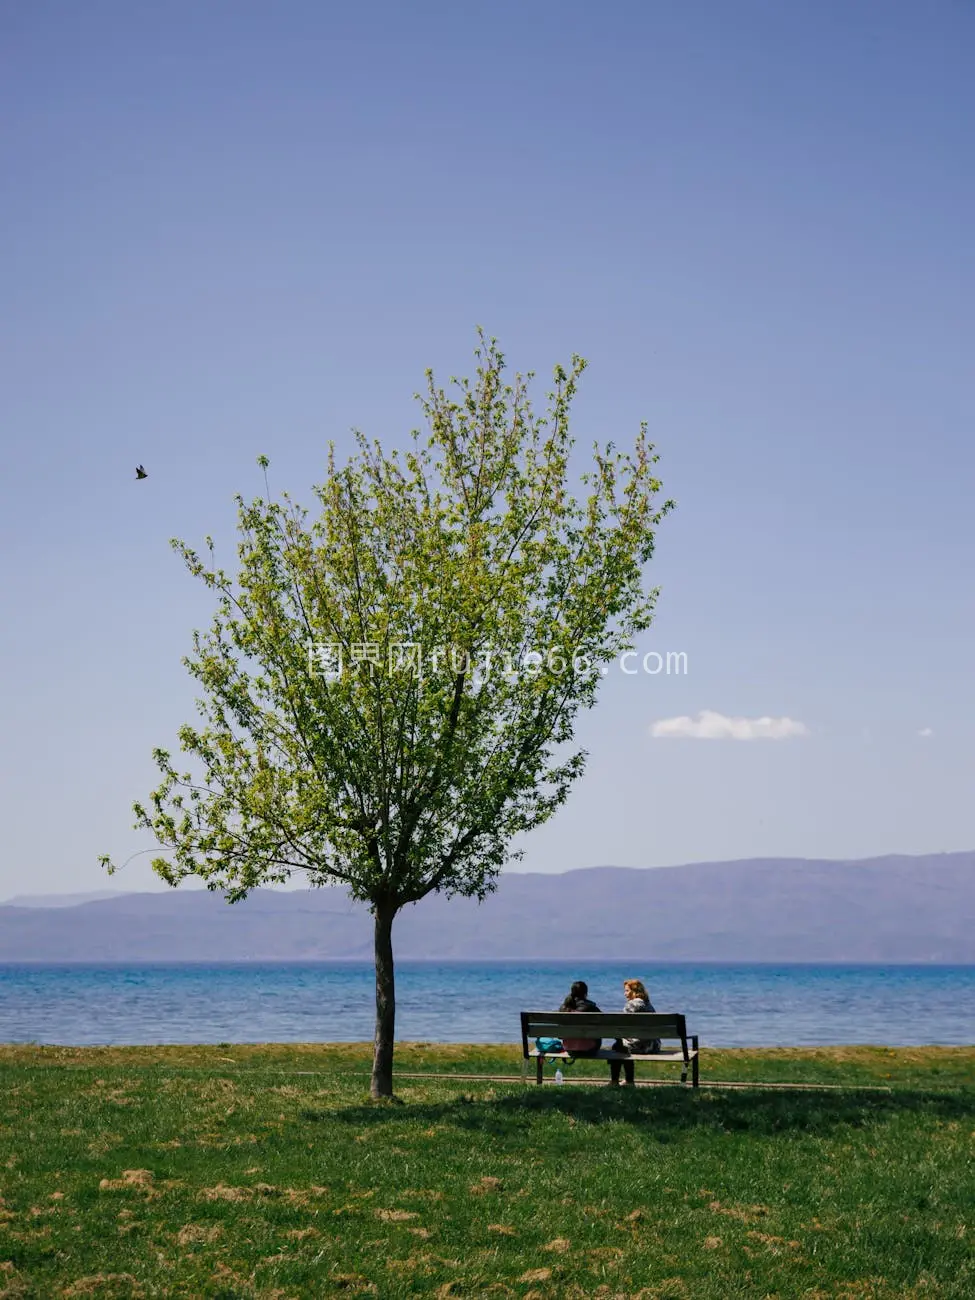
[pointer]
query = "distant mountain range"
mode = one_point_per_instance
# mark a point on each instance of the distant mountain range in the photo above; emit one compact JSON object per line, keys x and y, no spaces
{"x":61,"y":900}
{"x":894,"y":909}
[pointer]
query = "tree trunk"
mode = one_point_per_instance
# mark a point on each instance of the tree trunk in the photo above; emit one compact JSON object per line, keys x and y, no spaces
{"x":382,"y":1061}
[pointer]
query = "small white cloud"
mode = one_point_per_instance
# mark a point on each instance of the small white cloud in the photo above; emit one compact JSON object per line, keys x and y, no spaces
{"x":709,"y":725}
{"x":925,"y":732}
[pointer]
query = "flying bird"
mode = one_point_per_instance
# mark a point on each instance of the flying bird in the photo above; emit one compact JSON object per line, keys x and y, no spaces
{"x":140,"y":472}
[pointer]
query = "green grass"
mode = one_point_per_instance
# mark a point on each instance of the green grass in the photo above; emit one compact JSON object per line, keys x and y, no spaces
{"x":264,"y":1172}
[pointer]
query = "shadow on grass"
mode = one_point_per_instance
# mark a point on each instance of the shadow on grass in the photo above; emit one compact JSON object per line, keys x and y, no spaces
{"x":668,"y":1114}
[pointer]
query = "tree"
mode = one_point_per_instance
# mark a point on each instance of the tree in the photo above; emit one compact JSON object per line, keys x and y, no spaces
{"x":390,"y":689}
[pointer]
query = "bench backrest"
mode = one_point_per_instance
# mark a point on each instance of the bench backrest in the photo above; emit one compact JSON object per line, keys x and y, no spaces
{"x":603,"y":1024}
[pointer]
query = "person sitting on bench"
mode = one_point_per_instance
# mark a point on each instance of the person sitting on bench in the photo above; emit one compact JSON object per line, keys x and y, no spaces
{"x":637,"y":999}
{"x":579,"y":1000}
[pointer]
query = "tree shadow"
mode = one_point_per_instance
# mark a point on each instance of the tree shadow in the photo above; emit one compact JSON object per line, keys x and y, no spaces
{"x":668,"y":1113}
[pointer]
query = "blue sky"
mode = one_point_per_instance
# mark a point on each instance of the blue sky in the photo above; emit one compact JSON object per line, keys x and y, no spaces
{"x":237,"y":228}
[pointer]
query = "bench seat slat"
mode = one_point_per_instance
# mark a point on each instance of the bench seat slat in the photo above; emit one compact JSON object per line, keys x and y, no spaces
{"x":609,"y":1054}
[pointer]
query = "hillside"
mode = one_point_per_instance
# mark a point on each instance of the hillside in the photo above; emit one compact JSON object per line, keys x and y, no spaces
{"x":894,"y":909}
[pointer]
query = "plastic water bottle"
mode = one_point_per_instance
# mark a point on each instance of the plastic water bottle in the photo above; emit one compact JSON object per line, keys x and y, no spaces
{"x":558,"y":1077}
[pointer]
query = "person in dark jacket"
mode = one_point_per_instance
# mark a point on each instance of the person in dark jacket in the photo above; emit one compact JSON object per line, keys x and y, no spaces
{"x":579,"y":1000}
{"x":636,"y":999}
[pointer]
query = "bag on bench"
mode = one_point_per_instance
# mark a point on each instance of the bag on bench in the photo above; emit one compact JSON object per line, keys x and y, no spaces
{"x":546,"y":1045}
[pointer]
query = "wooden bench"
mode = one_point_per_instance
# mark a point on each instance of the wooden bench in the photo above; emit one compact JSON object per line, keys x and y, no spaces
{"x":645,"y":1025}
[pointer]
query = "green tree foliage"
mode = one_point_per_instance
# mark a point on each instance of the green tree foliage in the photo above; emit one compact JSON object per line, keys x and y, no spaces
{"x":389,"y":689}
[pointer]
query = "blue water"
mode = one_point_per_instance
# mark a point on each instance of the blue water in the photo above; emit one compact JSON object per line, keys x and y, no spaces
{"x":727,"y":1005}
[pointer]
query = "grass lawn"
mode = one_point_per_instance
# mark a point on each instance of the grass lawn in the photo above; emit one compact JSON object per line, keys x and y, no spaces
{"x":265,"y":1172}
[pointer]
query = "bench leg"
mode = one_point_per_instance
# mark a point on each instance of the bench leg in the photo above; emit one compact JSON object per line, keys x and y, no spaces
{"x":540,"y":1067}
{"x":694,"y":1078}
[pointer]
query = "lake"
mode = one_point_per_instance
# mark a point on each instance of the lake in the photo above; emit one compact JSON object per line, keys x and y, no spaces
{"x":728,"y":1005}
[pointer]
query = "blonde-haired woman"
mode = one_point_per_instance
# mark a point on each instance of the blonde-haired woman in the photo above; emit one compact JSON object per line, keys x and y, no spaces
{"x":637,"y":999}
